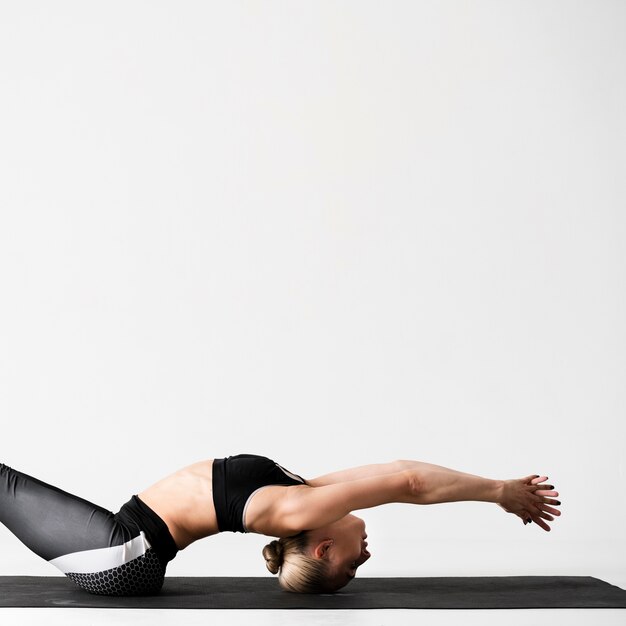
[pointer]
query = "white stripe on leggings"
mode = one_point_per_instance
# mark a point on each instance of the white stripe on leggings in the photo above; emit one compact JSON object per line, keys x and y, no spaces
{"x":90,"y":561}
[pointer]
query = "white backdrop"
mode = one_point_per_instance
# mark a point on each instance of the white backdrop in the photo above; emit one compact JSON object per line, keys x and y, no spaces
{"x":333,"y":233}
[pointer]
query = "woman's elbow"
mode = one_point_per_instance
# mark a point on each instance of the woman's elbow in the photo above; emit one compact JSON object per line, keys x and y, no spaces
{"x":414,"y":486}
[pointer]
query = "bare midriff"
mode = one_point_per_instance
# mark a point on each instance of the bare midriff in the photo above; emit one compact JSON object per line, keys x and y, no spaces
{"x":184,"y":501}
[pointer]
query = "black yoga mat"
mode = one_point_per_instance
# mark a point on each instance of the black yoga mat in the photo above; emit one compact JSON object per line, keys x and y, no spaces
{"x":502,"y":592}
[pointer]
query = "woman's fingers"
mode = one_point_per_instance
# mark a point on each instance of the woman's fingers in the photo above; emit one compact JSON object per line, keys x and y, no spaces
{"x":549,"y":509}
{"x":544,"y":493}
{"x":538,"y":500}
{"x":542,"y":490}
{"x":548,"y":501}
{"x":544,"y":515}
{"x":534,"y":505}
{"x":541,"y":523}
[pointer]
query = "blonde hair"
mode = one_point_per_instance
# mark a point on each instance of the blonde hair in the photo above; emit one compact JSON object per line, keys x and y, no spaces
{"x":297,"y":571}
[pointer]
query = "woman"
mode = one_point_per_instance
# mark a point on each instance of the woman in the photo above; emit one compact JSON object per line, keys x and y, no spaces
{"x":321,"y":543}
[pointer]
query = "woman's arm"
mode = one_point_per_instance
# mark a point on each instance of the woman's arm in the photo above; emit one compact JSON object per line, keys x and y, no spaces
{"x":309,"y":507}
{"x":525,"y":497}
{"x":356,"y":473}
{"x":417,"y":483}
{"x":443,"y":485}
{"x":412,"y":482}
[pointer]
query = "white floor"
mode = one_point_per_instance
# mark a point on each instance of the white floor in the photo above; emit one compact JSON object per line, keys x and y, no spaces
{"x":106,"y":617}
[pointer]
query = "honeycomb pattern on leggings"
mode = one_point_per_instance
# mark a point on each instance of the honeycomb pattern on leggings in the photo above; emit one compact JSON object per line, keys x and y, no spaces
{"x":139,"y":577}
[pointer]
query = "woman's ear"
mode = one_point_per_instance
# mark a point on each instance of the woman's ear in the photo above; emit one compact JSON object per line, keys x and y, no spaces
{"x":321,"y":549}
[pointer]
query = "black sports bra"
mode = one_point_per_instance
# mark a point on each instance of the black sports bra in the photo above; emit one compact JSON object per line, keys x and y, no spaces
{"x":236,"y":479}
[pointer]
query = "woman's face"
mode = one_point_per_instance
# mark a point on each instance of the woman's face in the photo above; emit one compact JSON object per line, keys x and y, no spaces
{"x":349,"y":548}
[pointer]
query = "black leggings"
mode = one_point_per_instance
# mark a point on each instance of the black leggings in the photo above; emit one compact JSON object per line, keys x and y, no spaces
{"x":119,"y":554}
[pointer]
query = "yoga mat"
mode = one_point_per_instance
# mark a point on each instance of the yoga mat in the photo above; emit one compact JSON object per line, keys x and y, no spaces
{"x":502,"y":592}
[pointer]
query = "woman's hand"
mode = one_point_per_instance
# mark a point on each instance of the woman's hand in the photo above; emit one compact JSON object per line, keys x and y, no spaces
{"x":529,"y":500}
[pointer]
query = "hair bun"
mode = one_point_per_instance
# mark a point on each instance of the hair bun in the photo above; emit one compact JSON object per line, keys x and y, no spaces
{"x":273,"y":555}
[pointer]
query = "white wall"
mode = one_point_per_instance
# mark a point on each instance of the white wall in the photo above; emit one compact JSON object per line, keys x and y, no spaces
{"x":333,"y":233}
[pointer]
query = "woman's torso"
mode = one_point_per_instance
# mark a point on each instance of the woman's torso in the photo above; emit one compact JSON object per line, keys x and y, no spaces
{"x":185,"y":502}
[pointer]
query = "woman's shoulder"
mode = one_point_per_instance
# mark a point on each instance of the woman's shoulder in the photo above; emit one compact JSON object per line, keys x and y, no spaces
{"x":269,"y":510}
